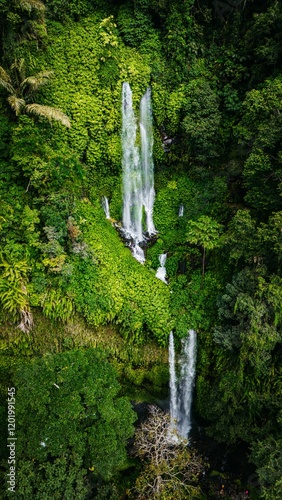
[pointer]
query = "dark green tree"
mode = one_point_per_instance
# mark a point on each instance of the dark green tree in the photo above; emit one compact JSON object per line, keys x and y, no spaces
{"x":204,"y":232}
{"x":267,"y":455}
{"x":259,"y":134}
{"x":71,"y":424}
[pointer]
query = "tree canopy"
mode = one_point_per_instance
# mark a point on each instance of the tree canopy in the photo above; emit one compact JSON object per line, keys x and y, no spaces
{"x":72,"y":424}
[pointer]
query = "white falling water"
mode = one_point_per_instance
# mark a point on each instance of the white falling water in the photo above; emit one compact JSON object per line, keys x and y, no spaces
{"x":137,"y":169}
{"x":105,"y":205}
{"x":181,"y":210}
{"x":181,"y":390}
{"x":147,"y":164}
{"x":132,"y":180}
{"x":138,"y":253}
{"x":173,"y":387}
{"x":186,"y":383}
{"x":161,"y":271}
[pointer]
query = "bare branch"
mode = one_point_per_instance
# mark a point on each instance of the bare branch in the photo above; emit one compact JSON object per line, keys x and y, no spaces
{"x":26,"y":323}
{"x":170,"y":466}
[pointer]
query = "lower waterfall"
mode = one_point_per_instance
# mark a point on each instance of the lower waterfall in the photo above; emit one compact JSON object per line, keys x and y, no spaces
{"x":161,"y":271}
{"x":172,"y":382}
{"x":181,"y":210}
{"x":181,"y":387}
{"x":138,"y":253}
{"x":106,"y":207}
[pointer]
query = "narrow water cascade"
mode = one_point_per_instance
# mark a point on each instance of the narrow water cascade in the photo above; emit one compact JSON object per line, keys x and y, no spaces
{"x":181,"y":210}
{"x":147,"y":164}
{"x":187,"y":363}
{"x":106,"y":207}
{"x":137,"y":171}
{"x":138,"y":253}
{"x":181,"y":387}
{"x":161,"y":271}
{"x":172,"y":385}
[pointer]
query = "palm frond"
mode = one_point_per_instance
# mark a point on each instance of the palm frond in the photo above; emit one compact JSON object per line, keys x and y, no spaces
{"x":17,"y":104}
{"x":49,"y":113}
{"x":4,"y":75}
{"x":7,"y":86}
{"x":33,"y":83}
{"x":17,"y":70}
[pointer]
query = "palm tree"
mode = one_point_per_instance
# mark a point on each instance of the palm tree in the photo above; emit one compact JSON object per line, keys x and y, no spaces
{"x":21,"y":90}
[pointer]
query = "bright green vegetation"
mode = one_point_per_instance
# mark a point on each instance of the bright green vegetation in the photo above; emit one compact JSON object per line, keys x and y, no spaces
{"x":71,"y":292}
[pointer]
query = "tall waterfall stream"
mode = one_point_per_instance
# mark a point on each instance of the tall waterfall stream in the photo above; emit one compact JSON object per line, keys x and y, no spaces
{"x":181,"y":387}
{"x":137,"y":170}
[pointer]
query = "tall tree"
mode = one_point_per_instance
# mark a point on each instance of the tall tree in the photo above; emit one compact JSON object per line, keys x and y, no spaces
{"x":204,"y":232}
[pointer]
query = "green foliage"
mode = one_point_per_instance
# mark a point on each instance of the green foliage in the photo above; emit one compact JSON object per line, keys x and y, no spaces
{"x":205,"y":232}
{"x":62,"y":9}
{"x":56,"y":305}
{"x":24,"y":20}
{"x":202,"y":119}
{"x":181,"y":44}
{"x":134,"y":26}
{"x":46,"y":165}
{"x":112,"y":286}
{"x":246,"y":360}
{"x":193,"y":302}
{"x":242,"y":236}
{"x":248,"y":318}
{"x":267,"y":456}
{"x":78,"y":422}
{"x":262,"y":39}
{"x":261,"y":127}
{"x":253,"y":244}
{"x":13,"y":291}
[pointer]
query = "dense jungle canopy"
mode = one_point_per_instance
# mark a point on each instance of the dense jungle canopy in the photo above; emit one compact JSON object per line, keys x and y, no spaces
{"x":84,"y":326}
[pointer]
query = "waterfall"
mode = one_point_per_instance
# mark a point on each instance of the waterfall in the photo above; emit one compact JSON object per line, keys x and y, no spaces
{"x":181,"y":210}
{"x":147,"y":164}
{"x":132,"y":180}
{"x":105,"y":205}
{"x":186,"y":383}
{"x":161,"y":271}
{"x":138,"y":253}
{"x":181,"y":390}
{"x":137,"y":169}
{"x":172,"y":385}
